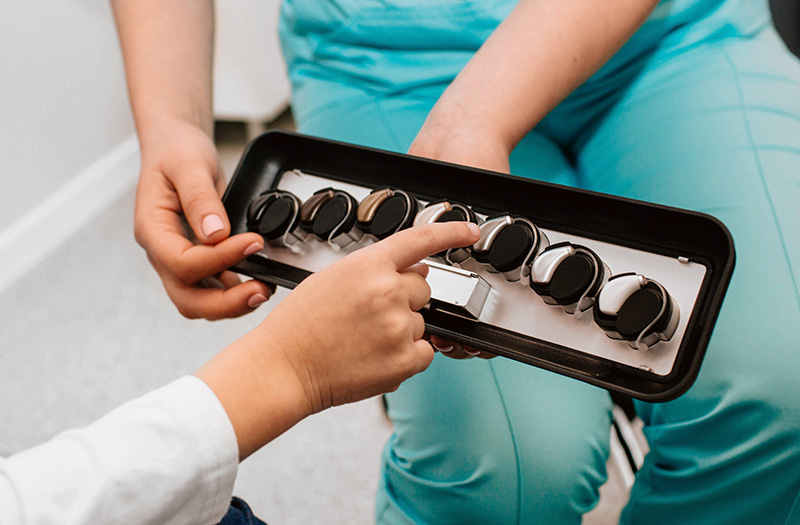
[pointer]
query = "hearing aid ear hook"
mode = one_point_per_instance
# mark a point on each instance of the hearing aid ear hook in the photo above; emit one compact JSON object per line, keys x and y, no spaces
{"x":508,"y":245}
{"x":569,"y":276}
{"x":448,"y":211}
{"x":636,"y":309}
{"x":330,"y":215}
{"x":386,"y":211}
{"x":275,"y":215}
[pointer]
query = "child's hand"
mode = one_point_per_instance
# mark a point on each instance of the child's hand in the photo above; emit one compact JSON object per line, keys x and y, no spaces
{"x":346,"y":333}
{"x":353,"y":330}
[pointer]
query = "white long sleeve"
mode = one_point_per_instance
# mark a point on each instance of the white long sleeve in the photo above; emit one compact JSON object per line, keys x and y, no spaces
{"x":168,"y":457}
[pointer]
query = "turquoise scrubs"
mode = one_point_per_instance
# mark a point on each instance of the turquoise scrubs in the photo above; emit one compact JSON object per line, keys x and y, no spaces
{"x":701,"y":110}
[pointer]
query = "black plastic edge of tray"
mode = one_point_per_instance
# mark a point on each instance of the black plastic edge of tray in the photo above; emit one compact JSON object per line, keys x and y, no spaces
{"x":618,"y":220}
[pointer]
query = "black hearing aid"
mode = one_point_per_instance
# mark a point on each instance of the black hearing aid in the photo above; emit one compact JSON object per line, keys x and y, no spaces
{"x":508,"y":245}
{"x":568,"y":275}
{"x":636,"y":309}
{"x":330,"y":215}
{"x":447,"y":211}
{"x":275,"y":214}
{"x":386,"y":211}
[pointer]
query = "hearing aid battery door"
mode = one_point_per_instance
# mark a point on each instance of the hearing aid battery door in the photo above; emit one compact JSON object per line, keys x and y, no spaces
{"x":275,"y":215}
{"x":508,"y":245}
{"x":636,"y":309}
{"x":330,"y":215}
{"x":457,"y":291}
{"x":568,"y":275}
{"x":447,"y":211}
{"x":386,"y":211}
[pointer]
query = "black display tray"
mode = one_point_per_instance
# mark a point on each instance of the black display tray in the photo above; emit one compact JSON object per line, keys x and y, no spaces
{"x":624,"y":222}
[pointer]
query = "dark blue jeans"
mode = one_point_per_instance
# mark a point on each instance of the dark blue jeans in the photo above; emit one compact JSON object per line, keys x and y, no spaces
{"x":239,"y":513}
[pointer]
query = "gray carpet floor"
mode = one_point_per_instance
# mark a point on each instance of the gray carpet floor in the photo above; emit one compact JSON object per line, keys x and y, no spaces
{"x":90,"y":327}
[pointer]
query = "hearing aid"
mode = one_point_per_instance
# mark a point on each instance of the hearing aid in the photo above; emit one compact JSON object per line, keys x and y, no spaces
{"x":275,"y":215}
{"x":447,"y":211}
{"x":508,"y":245}
{"x":330,"y":215}
{"x":386,"y":211}
{"x":636,"y":309}
{"x":569,"y":276}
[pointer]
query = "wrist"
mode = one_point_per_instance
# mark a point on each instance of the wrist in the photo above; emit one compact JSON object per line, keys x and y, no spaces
{"x":258,"y":389}
{"x":160,"y":130}
{"x":451,"y":121}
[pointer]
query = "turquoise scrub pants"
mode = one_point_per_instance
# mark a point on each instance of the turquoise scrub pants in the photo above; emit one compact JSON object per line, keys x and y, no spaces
{"x":700,"y":110}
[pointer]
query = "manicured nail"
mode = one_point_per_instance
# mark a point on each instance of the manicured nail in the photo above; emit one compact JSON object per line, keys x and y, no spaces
{"x":212,"y":224}
{"x":474,"y":228}
{"x":445,"y":350}
{"x":253,"y":248}
{"x":476,"y":352}
{"x":256,"y":300}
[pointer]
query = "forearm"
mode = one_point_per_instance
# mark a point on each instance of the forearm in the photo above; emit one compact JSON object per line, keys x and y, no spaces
{"x":168,"y":50}
{"x":535,"y":58}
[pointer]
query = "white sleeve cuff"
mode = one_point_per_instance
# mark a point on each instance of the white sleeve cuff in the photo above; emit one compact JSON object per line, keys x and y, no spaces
{"x":169,"y":457}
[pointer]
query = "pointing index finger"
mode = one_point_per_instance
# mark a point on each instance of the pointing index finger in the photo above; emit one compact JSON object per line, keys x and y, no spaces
{"x":408,"y":247}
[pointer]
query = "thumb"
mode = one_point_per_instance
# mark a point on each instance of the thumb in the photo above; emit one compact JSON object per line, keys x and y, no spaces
{"x":202,"y":206}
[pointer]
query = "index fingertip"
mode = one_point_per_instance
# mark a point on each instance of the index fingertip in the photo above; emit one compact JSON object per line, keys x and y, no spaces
{"x":474,"y":229}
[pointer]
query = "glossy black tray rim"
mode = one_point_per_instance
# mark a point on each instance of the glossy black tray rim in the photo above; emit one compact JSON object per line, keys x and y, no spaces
{"x":635,"y":224}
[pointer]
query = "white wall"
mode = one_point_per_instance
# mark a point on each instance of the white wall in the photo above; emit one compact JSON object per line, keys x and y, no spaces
{"x":250,"y":82}
{"x":62,"y":96}
{"x":65,"y":124}
{"x":67,"y":140}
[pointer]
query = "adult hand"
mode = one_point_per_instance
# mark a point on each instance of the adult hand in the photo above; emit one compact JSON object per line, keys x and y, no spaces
{"x":180,"y":176}
{"x":348,"y":332}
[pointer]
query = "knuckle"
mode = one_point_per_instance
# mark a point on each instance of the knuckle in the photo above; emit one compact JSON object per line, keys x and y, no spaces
{"x":140,"y":231}
{"x":187,"y":311}
{"x":386,"y":289}
{"x":181,"y":272}
{"x":394,"y":329}
{"x":194,"y":198}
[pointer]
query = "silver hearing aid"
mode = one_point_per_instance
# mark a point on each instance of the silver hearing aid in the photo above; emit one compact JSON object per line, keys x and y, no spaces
{"x":568,"y":275}
{"x":508,"y":245}
{"x":636,"y":309}
{"x":448,"y":211}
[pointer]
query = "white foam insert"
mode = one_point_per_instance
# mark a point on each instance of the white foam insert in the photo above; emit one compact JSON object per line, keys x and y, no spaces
{"x":516,"y":307}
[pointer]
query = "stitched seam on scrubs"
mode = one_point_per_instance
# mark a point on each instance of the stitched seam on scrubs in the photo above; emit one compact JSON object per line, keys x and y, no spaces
{"x":382,"y":114}
{"x":740,"y":91}
{"x":513,"y":440}
{"x":793,"y":509}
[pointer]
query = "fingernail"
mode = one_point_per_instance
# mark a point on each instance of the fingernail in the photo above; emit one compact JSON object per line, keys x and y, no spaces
{"x":476,"y":352}
{"x":474,"y":228}
{"x":253,"y":248}
{"x":445,"y":350}
{"x":255,"y":300}
{"x":212,"y":224}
